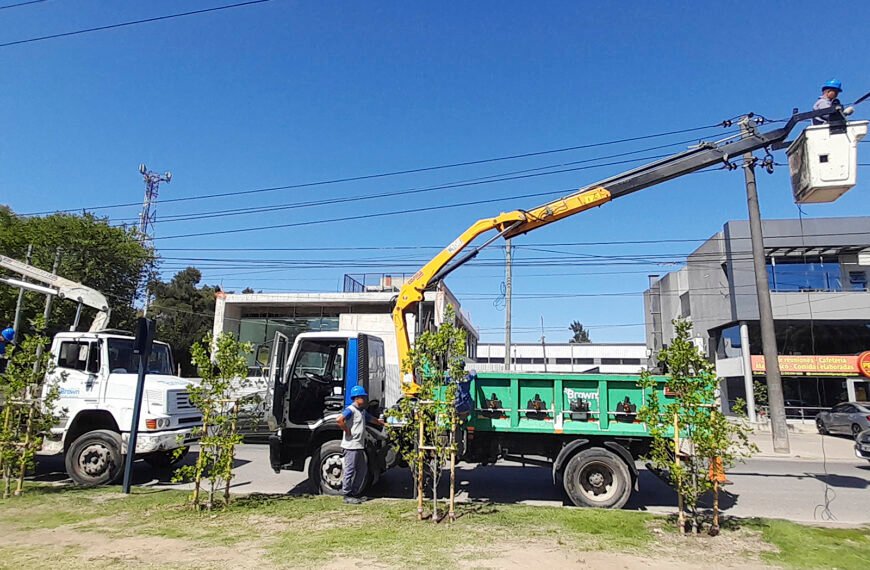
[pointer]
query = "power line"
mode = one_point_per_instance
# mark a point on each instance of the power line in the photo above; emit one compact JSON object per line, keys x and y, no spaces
{"x":125,"y":24}
{"x":515,"y":246}
{"x":391,"y":213}
{"x":494,"y":178}
{"x":363,"y":216}
{"x":394,"y":172}
{"x":18,"y":5}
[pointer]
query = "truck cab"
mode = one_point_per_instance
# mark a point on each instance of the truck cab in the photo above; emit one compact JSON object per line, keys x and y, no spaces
{"x":96,"y":376}
{"x":310,"y":383}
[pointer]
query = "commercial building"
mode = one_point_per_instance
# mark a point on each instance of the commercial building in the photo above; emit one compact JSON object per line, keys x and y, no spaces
{"x":365,"y":305}
{"x":564,"y":357}
{"x":818,"y":270}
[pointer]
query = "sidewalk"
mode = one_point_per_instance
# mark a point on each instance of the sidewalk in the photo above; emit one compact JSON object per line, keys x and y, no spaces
{"x":807,"y":446}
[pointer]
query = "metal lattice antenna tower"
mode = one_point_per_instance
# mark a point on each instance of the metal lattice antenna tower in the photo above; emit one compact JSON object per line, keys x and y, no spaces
{"x":149,"y":205}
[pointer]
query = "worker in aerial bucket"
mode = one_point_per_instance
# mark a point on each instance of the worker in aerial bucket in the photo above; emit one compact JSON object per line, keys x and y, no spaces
{"x":830,"y":91}
{"x":353,"y":421}
{"x":6,"y":339}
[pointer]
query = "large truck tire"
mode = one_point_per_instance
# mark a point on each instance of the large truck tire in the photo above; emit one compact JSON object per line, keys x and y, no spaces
{"x":165,"y":459}
{"x":326,"y":469}
{"x":95,"y":458}
{"x":596,"y":477}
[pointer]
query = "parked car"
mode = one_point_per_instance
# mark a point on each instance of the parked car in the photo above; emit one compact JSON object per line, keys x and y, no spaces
{"x":862,"y":445}
{"x":849,"y":418}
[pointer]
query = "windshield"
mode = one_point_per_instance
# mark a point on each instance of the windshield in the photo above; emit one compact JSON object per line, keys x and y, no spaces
{"x":122,"y":360}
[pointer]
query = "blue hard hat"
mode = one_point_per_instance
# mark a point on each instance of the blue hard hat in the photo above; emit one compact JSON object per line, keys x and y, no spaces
{"x":8,"y":334}
{"x":833,"y":84}
{"x":358,"y":391}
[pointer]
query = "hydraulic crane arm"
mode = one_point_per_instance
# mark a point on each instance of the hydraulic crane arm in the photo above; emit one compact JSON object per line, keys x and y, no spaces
{"x":63,"y":288}
{"x":518,"y":222}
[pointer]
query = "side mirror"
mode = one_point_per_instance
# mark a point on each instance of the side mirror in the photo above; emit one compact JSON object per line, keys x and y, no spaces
{"x":263,"y":353}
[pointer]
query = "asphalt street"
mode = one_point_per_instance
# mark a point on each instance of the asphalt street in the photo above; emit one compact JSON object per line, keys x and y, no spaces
{"x":795,"y":489}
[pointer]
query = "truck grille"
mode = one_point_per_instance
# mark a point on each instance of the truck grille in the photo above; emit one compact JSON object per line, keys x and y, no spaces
{"x":179,"y":402}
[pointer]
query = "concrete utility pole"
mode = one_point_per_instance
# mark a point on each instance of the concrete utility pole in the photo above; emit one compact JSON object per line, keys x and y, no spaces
{"x":775,"y":397}
{"x":507,"y":304}
{"x":17,"y":322}
{"x":149,"y":212}
{"x":543,"y":343}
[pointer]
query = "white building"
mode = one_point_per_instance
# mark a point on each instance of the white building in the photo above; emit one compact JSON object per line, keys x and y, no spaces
{"x":255,"y":317}
{"x":626,"y":358}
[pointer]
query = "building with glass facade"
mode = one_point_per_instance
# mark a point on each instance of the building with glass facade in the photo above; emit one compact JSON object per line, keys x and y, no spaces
{"x":818,"y":270}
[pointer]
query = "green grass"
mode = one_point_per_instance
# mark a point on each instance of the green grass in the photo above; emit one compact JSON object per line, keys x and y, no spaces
{"x":814,"y":547}
{"x":308,"y":531}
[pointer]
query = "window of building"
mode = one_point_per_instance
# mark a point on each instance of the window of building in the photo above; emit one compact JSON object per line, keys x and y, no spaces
{"x":584,"y":361}
{"x":816,"y":276}
{"x":685,"y":306}
{"x":611,"y":361}
{"x":563,"y":361}
{"x":631,"y":361}
{"x":523,"y":360}
{"x":857,"y":280}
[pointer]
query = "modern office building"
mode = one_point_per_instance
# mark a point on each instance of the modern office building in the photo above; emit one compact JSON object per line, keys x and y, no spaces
{"x":818,"y":270}
{"x":563,"y":357}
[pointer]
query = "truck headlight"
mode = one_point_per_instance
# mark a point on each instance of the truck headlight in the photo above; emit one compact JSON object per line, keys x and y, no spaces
{"x":163,"y":423}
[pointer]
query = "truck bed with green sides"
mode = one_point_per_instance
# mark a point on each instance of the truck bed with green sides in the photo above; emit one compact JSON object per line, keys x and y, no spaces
{"x":559,"y":403}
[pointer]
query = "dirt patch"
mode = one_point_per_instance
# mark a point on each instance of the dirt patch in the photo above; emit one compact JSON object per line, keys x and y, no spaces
{"x":664,"y":555}
{"x":93,"y":550}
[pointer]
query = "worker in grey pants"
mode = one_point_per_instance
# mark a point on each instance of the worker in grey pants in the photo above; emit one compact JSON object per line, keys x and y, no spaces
{"x":352,"y":422}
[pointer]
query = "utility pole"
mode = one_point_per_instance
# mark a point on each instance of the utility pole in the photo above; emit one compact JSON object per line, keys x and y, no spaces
{"x":507,"y":304}
{"x":20,"y":302}
{"x":149,"y":213}
{"x":543,"y":343}
{"x":776,"y":400}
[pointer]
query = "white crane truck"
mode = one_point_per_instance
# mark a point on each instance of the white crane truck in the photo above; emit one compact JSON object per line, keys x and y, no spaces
{"x":96,"y":372}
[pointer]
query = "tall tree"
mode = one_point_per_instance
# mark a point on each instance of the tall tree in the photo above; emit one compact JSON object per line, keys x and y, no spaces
{"x":184,"y":312}
{"x":581,"y":335}
{"x":107,"y":258}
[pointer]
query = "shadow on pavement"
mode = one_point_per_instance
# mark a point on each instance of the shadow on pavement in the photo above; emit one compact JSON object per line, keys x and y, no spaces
{"x":50,"y":469}
{"x":834,"y":480}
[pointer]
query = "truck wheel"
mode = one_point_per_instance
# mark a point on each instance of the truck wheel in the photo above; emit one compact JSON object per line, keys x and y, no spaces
{"x":326,"y":469}
{"x":165,"y":459}
{"x":95,"y":458}
{"x":596,"y":477}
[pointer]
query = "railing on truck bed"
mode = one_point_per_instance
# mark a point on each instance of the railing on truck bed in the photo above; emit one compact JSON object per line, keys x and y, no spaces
{"x":518,"y":402}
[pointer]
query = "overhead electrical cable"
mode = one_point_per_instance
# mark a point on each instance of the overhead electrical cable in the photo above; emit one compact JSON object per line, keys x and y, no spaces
{"x":130,"y":23}
{"x":389,"y":173}
{"x":494,"y":178}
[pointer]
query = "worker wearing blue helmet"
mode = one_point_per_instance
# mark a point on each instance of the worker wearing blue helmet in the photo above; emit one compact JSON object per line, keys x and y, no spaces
{"x":7,"y":336}
{"x":830,"y":91}
{"x":352,"y":422}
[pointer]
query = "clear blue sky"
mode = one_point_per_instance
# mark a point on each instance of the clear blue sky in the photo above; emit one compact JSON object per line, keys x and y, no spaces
{"x":292,"y":92}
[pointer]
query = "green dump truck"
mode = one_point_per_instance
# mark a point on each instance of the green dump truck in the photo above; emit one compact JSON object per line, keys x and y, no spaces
{"x":583,"y":426}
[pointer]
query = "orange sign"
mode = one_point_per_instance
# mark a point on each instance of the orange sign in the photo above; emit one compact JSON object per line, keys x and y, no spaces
{"x":864,"y":363}
{"x":828,"y":365}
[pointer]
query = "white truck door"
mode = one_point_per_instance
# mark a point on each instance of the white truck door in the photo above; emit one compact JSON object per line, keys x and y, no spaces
{"x":78,"y":368}
{"x":276,"y":385}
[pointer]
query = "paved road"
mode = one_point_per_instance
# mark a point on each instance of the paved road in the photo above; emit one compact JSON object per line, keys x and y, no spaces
{"x":793,"y":489}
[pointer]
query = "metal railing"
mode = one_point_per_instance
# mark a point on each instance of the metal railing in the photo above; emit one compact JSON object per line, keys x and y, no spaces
{"x":800,"y":413}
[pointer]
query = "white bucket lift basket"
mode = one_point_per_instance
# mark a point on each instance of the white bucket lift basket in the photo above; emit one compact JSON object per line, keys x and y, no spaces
{"x":823,"y":161}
